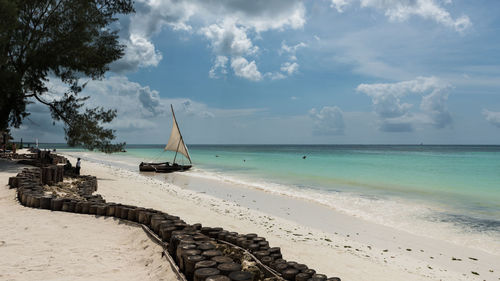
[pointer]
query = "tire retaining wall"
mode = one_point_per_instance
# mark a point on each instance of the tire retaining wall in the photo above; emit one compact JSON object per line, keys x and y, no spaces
{"x":200,"y":253}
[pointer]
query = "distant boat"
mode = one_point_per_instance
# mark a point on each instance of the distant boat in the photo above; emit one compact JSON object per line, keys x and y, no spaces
{"x":175,"y":143}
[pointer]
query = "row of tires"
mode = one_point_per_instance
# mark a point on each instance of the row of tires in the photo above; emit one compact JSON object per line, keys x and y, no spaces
{"x":200,"y":253}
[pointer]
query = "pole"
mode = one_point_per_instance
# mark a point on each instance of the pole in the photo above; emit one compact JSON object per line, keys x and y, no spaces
{"x":177,"y":149}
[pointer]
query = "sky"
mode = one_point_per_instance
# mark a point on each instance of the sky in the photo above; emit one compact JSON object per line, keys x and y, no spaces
{"x":300,"y":72}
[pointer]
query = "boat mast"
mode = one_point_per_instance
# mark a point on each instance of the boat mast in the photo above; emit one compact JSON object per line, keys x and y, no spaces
{"x":181,"y":139}
{"x":179,"y":143}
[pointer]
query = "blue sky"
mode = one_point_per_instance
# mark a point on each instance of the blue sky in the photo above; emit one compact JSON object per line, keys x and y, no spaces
{"x":290,"y":71}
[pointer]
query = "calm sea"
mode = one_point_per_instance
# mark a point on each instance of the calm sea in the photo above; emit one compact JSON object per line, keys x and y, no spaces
{"x":456,"y":186}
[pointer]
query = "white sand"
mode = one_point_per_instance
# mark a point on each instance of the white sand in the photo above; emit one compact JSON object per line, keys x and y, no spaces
{"x":43,"y":245}
{"x":306,"y":232}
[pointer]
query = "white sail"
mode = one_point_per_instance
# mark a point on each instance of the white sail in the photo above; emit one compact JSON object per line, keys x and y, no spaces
{"x":176,"y":143}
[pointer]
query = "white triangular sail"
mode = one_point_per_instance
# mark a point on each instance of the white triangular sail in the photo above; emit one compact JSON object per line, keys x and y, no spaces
{"x":176,"y":143}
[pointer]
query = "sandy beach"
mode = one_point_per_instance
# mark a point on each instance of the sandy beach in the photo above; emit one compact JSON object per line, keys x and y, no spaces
{"x":39,"y":244}
{"x":327,"y":240}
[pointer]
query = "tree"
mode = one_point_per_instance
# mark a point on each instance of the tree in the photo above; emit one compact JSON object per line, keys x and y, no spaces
{"x":59,"y":39}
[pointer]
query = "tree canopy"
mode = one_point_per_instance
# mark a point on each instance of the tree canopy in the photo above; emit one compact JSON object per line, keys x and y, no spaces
{"x":59,"y":39}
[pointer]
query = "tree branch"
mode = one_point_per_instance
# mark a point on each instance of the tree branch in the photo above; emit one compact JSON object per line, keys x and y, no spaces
{"x":59,"y":113}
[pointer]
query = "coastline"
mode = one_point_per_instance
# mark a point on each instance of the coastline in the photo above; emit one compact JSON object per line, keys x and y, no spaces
{"x":332,"y":242}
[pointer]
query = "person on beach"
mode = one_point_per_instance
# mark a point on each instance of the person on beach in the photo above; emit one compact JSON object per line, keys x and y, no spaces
{"x":67,"y":166}
{"x":78,"y":166}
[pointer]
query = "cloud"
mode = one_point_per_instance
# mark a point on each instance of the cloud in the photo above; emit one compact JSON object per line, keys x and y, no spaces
{"x":132,"y":100}
{"x":291,"y":50}
{"x":339,"y":5}
{"x":434,"y":105}
{"x":290,"y":68}
{"x":328,"y":121}
{"x":140,"y":110}
{"x":492,"y":117}
{"x":150,"y":100}
{"x":275,"y":75}
{"x":260,"y":15}
{"x":226,"y":24}
{"x":396,"y":115}
{"x":228,"y":39}
{"x":401,"y":10}
{"x":245,"y":69}
{"x":139,"y":107}
{"x":218,"y":67}
{"x":139,"y":52}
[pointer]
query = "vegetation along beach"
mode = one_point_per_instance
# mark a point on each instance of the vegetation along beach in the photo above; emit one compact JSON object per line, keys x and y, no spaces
{"x":249,"y":140}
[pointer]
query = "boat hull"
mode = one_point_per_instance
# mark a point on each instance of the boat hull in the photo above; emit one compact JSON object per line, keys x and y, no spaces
{"x":164,"y":167}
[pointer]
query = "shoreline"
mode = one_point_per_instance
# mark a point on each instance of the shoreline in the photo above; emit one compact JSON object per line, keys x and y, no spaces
{"x":415,"y":216}
{"x":359,"y":251}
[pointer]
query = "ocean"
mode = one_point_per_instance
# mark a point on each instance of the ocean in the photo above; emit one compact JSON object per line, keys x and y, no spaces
{"x":432,"y":190}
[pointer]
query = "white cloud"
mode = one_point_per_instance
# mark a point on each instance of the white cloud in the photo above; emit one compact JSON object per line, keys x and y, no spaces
{"x":434,"y":105}
{"x":226,"y":24}
{"x":291,"y":50}
{"x":401,"y":10}
{"x":245,"y":69}
{"x":218,"y":67}
{"x":133,"y":101}
{"x":275,"y":75}
{"x":228,"y":39}
{"x":290,"y":68}
{"x":328,"y":121}
{"x":139,"y":52}
{"x":136,"y":31}
{"x":492,"y":117}
{"x":396,"y":115}
{"x":340,"y":4}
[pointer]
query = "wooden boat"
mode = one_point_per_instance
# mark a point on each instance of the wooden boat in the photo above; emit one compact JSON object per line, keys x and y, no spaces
{"x":164,"y":167}
{"x":175,"y":143}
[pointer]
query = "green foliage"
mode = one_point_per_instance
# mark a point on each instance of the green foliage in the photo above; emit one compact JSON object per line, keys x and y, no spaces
{"x":64,"y":39}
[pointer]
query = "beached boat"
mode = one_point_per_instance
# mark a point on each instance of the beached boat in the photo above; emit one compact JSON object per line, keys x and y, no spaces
{"x":175,"y":143}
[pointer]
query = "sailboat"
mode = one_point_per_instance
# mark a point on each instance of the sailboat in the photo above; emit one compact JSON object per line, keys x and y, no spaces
{"x":175,"y":143}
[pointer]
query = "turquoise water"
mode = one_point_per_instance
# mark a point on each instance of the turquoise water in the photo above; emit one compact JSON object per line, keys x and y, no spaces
{"x":471,"y":173}
{"x":462,"y":183}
